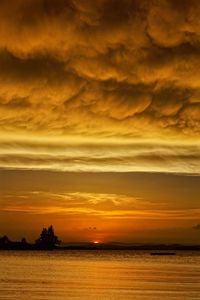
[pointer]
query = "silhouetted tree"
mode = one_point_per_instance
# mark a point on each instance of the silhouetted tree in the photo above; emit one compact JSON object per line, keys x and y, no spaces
{"x":4,"y":240}
{"x":23,"y":240}
{"x":47,"y":238}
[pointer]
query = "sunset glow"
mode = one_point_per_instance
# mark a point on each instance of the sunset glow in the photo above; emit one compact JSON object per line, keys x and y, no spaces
{"x":100,"y":119}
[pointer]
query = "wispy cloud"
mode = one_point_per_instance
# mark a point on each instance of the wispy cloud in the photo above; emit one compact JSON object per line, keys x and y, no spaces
{"x":104,"y":206}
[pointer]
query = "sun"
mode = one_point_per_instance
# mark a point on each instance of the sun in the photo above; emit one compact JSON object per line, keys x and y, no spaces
{"x":95,"y":242}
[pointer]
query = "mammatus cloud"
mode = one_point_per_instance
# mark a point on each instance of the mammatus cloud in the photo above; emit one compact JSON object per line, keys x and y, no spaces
{"x":126,"y":70}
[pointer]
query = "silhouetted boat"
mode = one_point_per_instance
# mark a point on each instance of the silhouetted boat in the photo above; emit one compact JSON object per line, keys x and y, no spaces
{"x":163,"y":253}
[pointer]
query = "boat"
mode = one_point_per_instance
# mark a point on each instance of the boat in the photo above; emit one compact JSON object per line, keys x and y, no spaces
{"x":163,"y":253}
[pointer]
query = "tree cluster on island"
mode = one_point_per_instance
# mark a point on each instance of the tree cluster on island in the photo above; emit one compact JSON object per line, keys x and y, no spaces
{"x":46,"y":241}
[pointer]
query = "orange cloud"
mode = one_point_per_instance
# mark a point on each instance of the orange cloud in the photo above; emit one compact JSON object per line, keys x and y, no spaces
{"x":106,"y":206}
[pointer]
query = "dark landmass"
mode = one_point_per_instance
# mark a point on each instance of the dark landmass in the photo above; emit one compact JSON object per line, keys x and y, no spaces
{"x":141,"y":247}
{"x":49,"y":241}
{"x":13,"y":245}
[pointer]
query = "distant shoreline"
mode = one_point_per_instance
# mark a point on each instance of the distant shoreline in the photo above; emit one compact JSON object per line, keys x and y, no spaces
{"x":17,"y":246}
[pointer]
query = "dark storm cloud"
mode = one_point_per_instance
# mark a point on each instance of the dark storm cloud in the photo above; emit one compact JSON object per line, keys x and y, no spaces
{"x":111,"y":59}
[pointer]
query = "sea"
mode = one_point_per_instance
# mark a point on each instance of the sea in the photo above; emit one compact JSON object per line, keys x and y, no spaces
{"x":98,"y":275}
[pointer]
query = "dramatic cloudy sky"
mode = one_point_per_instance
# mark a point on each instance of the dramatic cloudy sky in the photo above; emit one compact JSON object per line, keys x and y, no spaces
{"x":100,"y":118}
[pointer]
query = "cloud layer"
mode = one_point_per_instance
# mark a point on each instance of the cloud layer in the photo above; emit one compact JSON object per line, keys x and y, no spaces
{"x":38,"y":154}
{"x":102,"y":69}
{"x":104,"y":206}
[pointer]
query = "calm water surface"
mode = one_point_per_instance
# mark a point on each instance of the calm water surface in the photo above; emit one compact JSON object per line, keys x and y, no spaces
{"x":109,"y":275}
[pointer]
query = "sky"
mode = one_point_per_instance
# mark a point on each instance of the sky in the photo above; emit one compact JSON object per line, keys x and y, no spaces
{"x":100,"y":119}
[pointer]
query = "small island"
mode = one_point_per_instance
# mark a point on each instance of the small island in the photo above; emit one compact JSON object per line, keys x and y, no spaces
{"x":46,"y":241}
